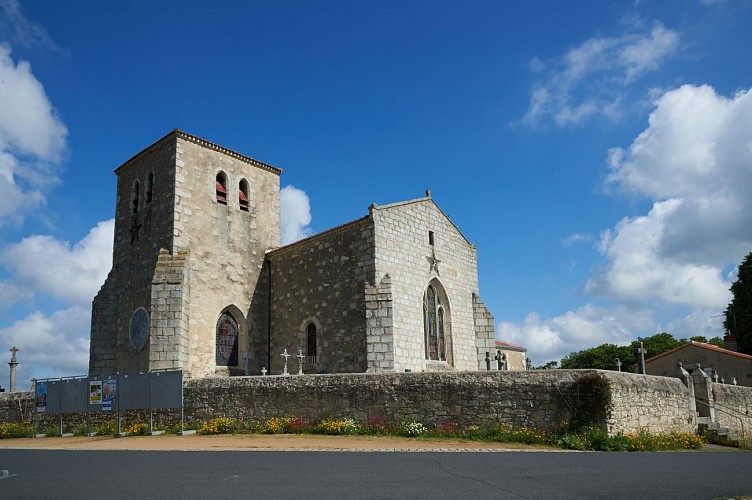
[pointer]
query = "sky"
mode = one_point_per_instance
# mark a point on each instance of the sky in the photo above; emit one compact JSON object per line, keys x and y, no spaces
{"x":599,"y":154}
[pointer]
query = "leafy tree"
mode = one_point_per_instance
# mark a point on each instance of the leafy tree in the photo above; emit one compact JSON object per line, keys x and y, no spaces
{"x":660,"y":343}
{"x":601,"y":357}
{"x":716,"y":341}
{"x":551,"y":365}
{"x":738,"y":320}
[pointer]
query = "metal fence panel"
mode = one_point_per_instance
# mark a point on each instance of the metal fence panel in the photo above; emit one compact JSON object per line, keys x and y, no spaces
{"x":53,"y":396}
{"x":74,"y":394}
{"x":167,"y":389}
{"x":133,"y":391}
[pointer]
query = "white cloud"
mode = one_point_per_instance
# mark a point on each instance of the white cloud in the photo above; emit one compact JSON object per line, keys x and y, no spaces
{"x":72,"y":274}
{"x":32,"y":138}
{"x":17,"y":29}
{"x":296,"y":214}
{"x":593,"y":78}
{"x":49,"y":346}
{"x":588,"y":326}
{"x":695,"y":162}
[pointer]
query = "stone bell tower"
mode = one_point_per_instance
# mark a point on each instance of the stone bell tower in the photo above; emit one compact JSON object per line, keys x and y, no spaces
{"x":192,"y":223}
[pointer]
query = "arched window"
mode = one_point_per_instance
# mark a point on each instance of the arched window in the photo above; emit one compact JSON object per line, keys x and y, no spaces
{"x":149,"y":187}
{"x":243,"y":195}
{"x":227,"y":340}
{"x":435,"y":322}
{"x":311,"y":343}
{"x":221,"y":188}
{"x":135,"y":194}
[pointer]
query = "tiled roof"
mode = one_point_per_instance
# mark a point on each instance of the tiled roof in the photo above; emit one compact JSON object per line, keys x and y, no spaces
{"x":209,"y":145}
{"x":507,"y":345}
{"x":701,"y":345}
{"x":317,"y":235}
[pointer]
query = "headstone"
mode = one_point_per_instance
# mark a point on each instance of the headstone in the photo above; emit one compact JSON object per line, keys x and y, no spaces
{"x":285,"y":355}
{"x":300,"y":361}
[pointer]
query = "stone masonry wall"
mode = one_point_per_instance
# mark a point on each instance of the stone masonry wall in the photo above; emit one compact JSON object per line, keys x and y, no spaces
{"x":227,"y":245}
{"x":485,"y":333}
{"x":143,"y":225}
{"x":168,"y":340}
{"x":536,"y":398}
{"x":649,"y":403}
{"x":404,"y":251}
{"x":468,"y":398}
{"x":321,"y":280}
{"x":379,"y":326}
{"x":733,"y":407}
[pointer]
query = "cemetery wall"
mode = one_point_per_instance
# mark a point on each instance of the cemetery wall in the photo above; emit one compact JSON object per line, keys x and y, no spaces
{"x":650,"y":403}
{"x":538,"y":398}
{"x":733,"y":407}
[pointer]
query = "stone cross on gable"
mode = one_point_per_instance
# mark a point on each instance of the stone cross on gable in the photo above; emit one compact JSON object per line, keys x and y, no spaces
{"x":300,"y":361}
{"x":285,"y":355}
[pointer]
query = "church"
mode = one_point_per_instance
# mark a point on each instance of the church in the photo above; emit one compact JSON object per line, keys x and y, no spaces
{"x":201,"y":282}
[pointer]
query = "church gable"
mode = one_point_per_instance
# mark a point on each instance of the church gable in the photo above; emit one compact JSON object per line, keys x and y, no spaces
{"x":434,"y":276}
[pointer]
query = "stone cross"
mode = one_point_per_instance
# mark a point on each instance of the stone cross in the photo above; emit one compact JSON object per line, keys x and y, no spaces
{"x":247,"y":358}
{"x":285,"y":355}
{"x":300,"y":361}
{"x":488,"y":360}
{"x":263,"y":371}
{"x":501,"y":360}
{"x":13,"y":363}
{"x":617,"y":364}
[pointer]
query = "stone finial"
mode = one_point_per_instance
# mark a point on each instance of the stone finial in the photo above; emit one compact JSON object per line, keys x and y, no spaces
{"x":428,"y":193}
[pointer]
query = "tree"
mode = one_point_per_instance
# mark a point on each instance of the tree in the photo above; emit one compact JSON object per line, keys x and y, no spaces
{"x":601,"y":357}
{"x":738,"y":314}
{"x":660,"y":343}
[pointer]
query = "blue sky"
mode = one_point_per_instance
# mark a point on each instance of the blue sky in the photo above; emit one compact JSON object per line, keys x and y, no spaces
{"x":598,"y":154}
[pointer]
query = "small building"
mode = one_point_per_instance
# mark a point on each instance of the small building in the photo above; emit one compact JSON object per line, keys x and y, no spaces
{"x":515,"y":355}
{"x":726,"y":363}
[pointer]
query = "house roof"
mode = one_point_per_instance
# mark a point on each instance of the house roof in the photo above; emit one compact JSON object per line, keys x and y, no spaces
{"x":209,"y":145}
{"x":701,"y":345}
{"x":510,"y":347}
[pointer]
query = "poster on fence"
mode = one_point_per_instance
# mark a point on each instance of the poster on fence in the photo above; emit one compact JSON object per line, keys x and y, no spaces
{"x":109,"y":393}
{"x":41,"y":397}
{"x":95,"y":392}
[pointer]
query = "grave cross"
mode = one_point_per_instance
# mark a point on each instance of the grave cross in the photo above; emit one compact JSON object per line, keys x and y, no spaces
{"x":501,"y":360}
{"x":263,"y":371}
{"x":285,"y":355}
{"x":300,"y":361}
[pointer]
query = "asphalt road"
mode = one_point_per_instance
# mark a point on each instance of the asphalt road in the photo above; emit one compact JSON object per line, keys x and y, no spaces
{"x":372,"y":475}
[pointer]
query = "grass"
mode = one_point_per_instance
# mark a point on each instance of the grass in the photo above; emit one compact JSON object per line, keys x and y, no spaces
{"x":566,"y":436}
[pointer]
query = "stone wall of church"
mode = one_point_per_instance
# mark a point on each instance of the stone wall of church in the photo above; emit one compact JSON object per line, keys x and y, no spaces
{"x":168,"y":339}
{"x":143,"y":225}
{"x":485,"y":337}
{"x":226,"y":245}
{"x":404,"y":251}
{"x":321,"y":281}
